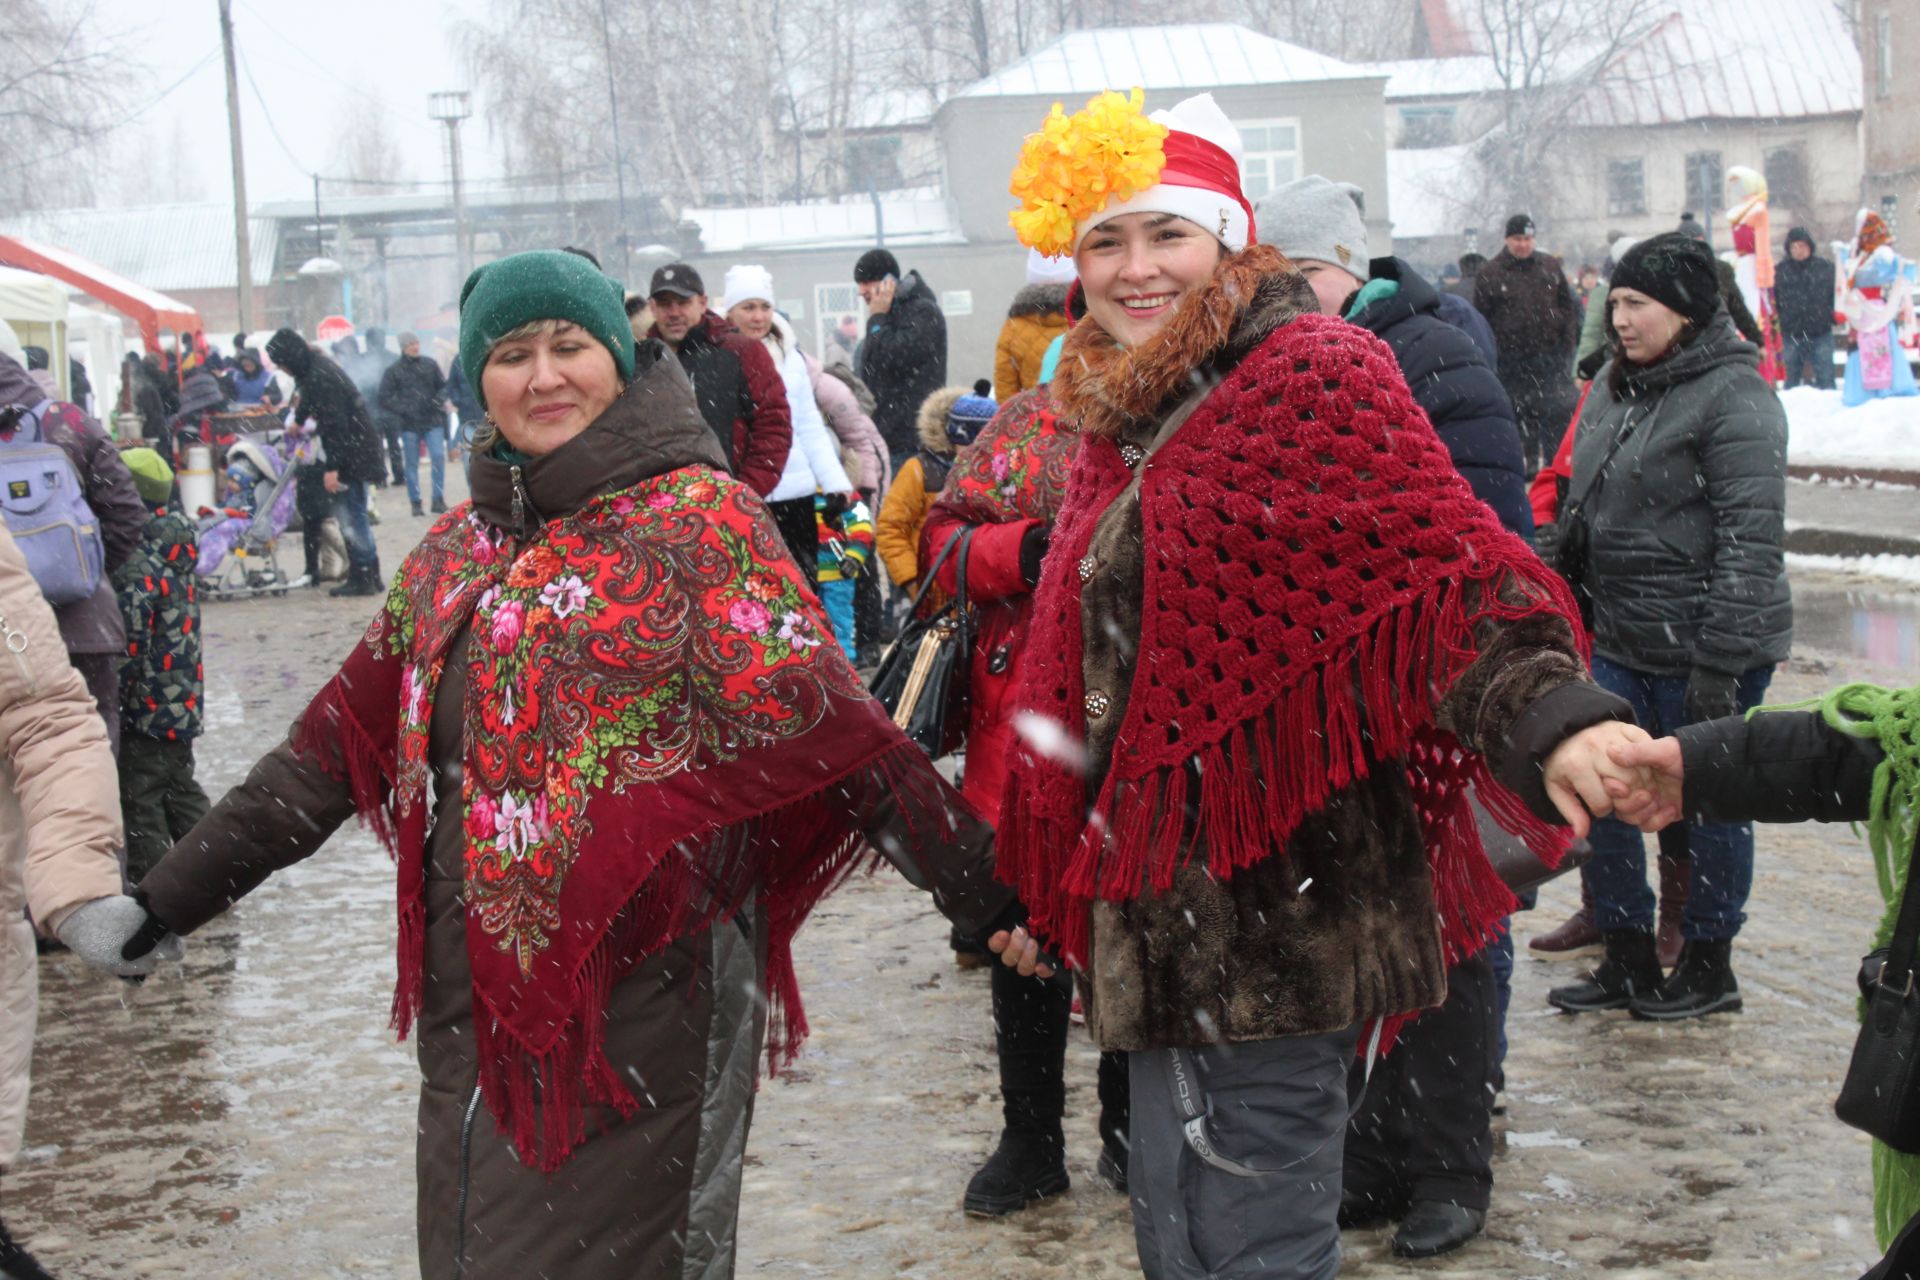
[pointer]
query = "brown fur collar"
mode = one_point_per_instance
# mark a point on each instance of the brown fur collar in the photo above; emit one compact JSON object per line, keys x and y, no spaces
{"x":1039,"y":300}
{"x":1105,"y":386}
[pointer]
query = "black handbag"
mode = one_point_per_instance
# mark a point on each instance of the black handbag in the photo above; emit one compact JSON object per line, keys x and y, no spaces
{"x":1881,"y":1094}
{"x":922,"y":680}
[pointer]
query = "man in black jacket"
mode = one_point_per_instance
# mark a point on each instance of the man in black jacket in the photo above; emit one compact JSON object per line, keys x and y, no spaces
{"x":903,"y":357}
{"x":1803,"y":293}
{"x":413,"y":394}
{"x":327,"y":395}
{"x":1525,"y":297}
{"x":1420,"y":1145}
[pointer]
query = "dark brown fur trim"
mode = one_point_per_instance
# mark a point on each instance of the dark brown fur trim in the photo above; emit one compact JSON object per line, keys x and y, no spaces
{"x":1105,"y":386}
{"x":1039,"y":300}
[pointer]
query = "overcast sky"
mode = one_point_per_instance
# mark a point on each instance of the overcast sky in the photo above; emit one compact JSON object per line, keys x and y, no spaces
{"x":308,"y":60}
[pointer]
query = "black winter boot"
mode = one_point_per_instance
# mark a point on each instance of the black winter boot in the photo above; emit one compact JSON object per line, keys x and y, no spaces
{"x":1116,"y":1106}
{"x":16,"y":1263}
{"x":1030,"y":1036}
{"x":1703,"y":983}
{"x":1631,"y":968}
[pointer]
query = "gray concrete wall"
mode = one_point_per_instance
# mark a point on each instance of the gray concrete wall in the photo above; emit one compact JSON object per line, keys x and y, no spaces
{"x":1892,"y":124}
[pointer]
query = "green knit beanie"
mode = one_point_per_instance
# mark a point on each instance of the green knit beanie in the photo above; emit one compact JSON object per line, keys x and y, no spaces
{"x":542,"y":284}
{"x":151,"y":475}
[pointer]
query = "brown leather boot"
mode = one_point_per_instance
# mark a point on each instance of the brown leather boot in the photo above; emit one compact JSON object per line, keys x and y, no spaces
{"x":1575,"y":938}
{"x":1675,"y":875}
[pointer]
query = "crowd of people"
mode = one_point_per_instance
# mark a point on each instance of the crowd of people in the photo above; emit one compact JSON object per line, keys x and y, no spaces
{"x":1352,"y":606}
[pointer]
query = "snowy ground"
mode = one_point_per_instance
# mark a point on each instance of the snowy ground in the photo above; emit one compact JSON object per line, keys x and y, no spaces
{"x":1880,"y":433}
{"x":247,"y":1116}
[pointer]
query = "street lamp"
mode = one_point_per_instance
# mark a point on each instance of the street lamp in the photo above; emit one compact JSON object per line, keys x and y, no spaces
{"x":450,"y":108}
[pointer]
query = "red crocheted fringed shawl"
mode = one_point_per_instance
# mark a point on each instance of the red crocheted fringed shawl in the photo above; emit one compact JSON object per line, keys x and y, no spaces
{"x":1316,"y":575}
{"x":656,"y":722}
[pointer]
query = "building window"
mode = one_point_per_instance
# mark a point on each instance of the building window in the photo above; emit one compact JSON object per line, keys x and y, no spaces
{"x":1626,"y":187}
{"x":1883,"y":55}
{"x":1787,"y":178}
{"x":1424,"y":127}
{"x":1703,"y":184}
{"x":873,"y":164}
{"x":1272,"y":155}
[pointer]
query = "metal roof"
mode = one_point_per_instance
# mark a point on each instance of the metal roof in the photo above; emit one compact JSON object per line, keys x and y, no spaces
{"x":167,"y":247}
{"x":1732,"y":60}
{"x":1197,"y":56}
{"x":1694,"y":60}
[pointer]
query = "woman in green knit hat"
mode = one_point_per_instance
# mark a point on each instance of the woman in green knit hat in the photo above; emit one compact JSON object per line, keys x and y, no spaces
{"x":1854,"y":756}
{"x":603,"y":728}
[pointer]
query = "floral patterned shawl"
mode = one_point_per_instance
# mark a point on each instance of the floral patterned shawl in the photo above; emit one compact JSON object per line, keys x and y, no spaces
{"x":645,"y":678}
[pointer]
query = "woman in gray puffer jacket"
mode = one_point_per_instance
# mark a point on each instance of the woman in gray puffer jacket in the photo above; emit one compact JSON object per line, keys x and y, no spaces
{"x":1673,"y":526}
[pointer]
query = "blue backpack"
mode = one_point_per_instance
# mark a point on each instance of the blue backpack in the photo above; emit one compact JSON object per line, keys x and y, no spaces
{"x":44,"y":507}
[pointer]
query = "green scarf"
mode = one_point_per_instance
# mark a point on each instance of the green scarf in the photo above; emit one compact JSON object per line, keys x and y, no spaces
{"x":1890,"y":717}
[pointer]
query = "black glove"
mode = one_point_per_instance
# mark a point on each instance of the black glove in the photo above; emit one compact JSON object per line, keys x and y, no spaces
{"x":1711,"y":695}
{"x":1033,"y":550}
{"x":1594,"y":362}
{"x":1546,"y":543}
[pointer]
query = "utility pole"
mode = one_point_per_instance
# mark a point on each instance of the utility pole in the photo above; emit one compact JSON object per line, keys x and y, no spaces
{"x":619,"y":156}
{"x":242,"y":237}
{"x":450,"y":108}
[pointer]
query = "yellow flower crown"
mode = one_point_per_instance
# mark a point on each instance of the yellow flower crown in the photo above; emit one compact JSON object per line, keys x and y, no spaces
{"x":1077,"y":163}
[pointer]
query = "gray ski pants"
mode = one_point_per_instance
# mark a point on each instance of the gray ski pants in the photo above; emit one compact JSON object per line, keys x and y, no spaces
{"x":1235,"y":1166}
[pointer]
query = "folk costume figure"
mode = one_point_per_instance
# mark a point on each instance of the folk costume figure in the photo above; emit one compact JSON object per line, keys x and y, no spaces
{"x":1753,"y":262}
{"x":1877,"y":304}
{"x":1274,"y":639}
{"x":603,"y":729}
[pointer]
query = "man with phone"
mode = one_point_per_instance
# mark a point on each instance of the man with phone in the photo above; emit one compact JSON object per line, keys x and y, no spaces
{"x":903,"y":357}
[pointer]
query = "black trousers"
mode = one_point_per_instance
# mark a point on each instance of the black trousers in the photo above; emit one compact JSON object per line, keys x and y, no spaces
{"x":160,"y":801}
{"x":1424,"y":1129}
{"x":1031,"y":1018}
{"x":800,"y":529}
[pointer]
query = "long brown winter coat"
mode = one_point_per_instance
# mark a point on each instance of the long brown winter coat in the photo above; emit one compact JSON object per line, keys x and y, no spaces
{"x":1341,"y":925}
{"x":1038,"y":316}
{"x":650,"y":1197}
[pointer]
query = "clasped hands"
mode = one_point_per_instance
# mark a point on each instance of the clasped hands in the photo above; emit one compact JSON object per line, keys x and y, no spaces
{"x":1615,"y":769}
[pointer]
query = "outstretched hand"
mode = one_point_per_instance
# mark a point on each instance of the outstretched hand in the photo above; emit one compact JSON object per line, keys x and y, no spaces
{"x":1585,"y":782}
{"x":1661,"y":805}
{"x":1021,"y":950}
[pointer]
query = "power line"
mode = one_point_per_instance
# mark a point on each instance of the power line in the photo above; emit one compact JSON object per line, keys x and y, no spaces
{"x":328,"y":72}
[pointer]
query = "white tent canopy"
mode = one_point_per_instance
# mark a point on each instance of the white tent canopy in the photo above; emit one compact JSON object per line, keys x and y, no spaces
{"x":36,"y":307}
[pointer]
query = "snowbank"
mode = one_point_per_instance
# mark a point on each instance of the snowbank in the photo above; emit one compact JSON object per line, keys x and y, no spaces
{"x":1895,"y":568}
{"x":1823,"y":432}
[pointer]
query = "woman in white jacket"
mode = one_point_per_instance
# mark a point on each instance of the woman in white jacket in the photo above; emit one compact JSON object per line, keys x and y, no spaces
{"x":813,"y":463}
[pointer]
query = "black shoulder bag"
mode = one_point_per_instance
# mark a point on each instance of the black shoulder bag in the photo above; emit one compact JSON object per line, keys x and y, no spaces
{"x":922,"y":680}
{"x":1572,"y":548}
{"x":1881,"y":1094}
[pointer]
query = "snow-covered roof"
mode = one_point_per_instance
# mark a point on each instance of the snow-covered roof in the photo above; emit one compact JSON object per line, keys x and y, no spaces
{"x":1732,"y":59}
{"x":1197,"y":56}
{"x":164,"y":247}
{"x":1424,"y":78}
{"x":1431,"y":191}
{"x":910,"y":218}
{"x":1695,"y":60}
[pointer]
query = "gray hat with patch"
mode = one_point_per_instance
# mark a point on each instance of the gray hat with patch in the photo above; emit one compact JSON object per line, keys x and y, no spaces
{"x":1312,"y":217}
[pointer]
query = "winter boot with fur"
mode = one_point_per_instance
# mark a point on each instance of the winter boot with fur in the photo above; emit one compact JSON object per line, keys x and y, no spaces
{"x":1030,"y":1035}
{"x":1703,"y":983}
{"x":16,"y":1263}
{"x":1630,"y":969}
{"x":1676,"y":874}
{"x":1577,"y":936}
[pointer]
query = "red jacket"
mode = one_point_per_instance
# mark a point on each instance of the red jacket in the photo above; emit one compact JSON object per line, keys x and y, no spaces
{"x":1553,"y":479}
{"x":1003,"y":600}
{"x":741,"y":396}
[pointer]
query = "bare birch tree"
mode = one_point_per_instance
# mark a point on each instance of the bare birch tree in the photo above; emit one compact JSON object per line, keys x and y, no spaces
{"x":58,"y":96}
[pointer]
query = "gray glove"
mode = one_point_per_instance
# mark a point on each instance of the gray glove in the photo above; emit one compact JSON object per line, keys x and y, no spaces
{"x":99,"y":931}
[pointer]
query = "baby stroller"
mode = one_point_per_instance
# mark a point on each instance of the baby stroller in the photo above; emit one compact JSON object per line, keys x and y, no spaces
{"x":239,"y":542}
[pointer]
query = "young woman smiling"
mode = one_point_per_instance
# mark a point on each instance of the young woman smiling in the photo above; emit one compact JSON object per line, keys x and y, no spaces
{"x":1279,"y":637}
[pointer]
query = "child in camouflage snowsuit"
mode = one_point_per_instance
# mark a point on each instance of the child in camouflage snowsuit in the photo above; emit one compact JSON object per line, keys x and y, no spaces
{"x":161,"y":682}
